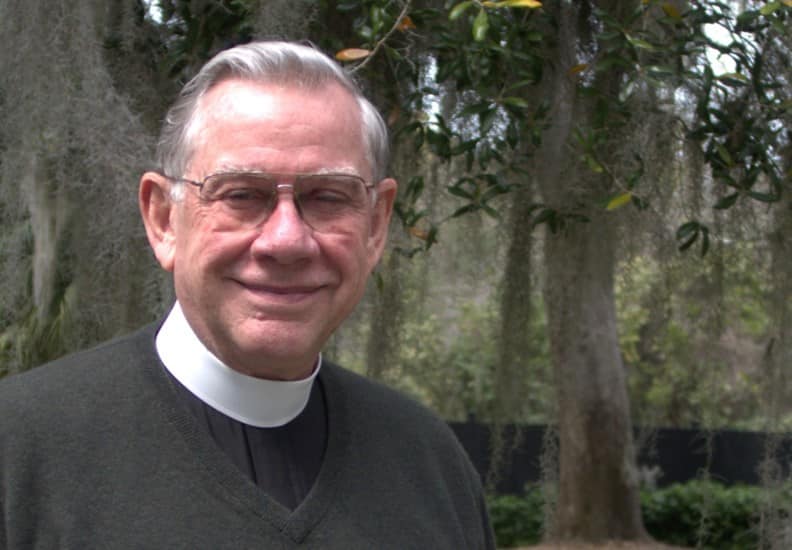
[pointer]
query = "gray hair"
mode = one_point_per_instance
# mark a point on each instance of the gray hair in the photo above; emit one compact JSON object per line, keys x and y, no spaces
{"x":266,"y":62}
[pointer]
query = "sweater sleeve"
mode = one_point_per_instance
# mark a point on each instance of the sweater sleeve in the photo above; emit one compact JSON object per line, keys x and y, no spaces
{"x":488,"y":541}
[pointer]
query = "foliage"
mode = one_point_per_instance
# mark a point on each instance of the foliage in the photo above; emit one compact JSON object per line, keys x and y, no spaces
{"x":448,"y":364}
{"x":198,"y":30}
{"x":517,"y":520}
{"x":440,"y":366}
{"x":704,"y":514}
{"x":493,"y":55}
{"x":694,"y":358}
{"x":34,"y":341}
{"x":679,"y":375}
{"x":701,"y":514}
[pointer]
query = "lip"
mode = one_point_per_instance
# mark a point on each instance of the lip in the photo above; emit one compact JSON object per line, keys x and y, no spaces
{"x":281,"y":293}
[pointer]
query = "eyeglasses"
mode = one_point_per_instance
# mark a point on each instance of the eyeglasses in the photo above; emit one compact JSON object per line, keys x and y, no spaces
{"x":247,"y":199}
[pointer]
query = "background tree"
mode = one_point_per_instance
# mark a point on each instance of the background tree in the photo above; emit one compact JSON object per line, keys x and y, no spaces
{"x":71,"y":144}
{"x":595,"y":62}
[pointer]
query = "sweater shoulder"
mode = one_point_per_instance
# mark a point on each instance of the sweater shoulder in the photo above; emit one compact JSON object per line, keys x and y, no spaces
{"x":90,"y":378}
{"x":371,"y":396}
{"x":378,"y":408}
{"x":412,"y":447}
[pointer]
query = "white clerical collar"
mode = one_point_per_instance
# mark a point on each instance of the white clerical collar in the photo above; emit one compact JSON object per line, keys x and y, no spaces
{"x":254,"y":401}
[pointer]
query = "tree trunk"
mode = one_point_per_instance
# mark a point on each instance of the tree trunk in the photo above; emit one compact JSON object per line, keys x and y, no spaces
{"x":512,"y":374}
{"x":387,"y":316}
{"x":598,"y":483}
{"x":388,"y":299}
{"x":776,"y":381}
{"x":515,"y":312}
{"x":598,"y":492}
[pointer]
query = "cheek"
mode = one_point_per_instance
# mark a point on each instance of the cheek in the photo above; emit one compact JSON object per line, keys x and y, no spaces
{"x":358,"y":267}
{"x":349,"y":248}
{"x":205,"y":249}
{"x":345,"y":255}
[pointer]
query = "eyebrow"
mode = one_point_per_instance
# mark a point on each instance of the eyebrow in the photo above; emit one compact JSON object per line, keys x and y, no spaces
{"x":346,"y":171}
{"x":236,"y":168}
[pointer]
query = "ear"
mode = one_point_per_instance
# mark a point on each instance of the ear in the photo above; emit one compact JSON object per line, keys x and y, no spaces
{"x":157,"y":209}
{"x":383,"y":208}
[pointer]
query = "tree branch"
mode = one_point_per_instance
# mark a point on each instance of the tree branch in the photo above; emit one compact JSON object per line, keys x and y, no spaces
{"x":385,"y":38}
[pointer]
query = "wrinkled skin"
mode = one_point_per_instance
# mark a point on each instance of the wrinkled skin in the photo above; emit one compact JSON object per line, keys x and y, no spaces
{"x":265,"y":300}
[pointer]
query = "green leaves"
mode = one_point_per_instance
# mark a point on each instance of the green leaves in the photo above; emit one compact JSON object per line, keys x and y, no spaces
{"x":727,"y":202}
{"x":196,"y":30}
{"x":515,"y":102}
{"x":413,"y":217}
{"x":734,"y":79}
{"x":593,"y":164}
{"x":724,"y":154}
{"x":458,"y":10}
{"x":640,"y":43}
{"x":675,"y":514}
{"x":771,"y":7}
{"x":481,"y":23}
{"x":492,"y":54}
{"x":688,"y":233}
{"x":480,"y":26}
{"x":556,"y":220}
{"x":478,"y":191}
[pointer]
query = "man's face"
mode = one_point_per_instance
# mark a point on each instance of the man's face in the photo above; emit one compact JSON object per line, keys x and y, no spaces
{"x":265,"y":299}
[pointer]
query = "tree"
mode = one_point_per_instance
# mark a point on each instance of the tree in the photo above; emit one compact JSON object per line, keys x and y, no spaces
{"x":71,"y":147}
{"x":554,"y":93}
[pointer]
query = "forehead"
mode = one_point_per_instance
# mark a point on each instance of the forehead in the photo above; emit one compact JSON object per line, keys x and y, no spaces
{"x":241,"y":101}
{"x":280,"y":126}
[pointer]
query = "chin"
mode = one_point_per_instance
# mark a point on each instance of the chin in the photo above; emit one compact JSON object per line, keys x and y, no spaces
{"x":272,"y":353}
{"x":290,"y":369}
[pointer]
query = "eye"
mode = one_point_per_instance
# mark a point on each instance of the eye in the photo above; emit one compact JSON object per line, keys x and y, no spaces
{"x":325,"y":194}
{"x":330,"y":189}
{"x":241,"y":194}
{"x":243,"y":197}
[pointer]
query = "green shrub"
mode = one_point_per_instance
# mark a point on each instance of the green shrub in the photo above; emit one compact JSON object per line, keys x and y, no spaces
{"x":704,"y":514}
{"x":700,"y":514}
{"x":517,"y":520}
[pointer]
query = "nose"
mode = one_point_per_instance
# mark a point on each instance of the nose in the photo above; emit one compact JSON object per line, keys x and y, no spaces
{"x":284,"y":236}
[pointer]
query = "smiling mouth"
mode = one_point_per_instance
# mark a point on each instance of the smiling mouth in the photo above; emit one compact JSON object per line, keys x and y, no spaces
{"x":281,"y":293}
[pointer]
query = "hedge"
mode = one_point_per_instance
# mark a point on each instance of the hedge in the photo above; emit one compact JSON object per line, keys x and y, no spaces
{"x":701,"y":514}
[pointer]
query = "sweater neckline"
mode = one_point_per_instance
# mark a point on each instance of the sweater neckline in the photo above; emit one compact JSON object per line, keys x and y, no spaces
{"x":240,"y":491}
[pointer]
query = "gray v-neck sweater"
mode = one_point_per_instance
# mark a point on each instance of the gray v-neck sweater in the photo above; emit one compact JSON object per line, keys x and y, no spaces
{"x":97,"y":451}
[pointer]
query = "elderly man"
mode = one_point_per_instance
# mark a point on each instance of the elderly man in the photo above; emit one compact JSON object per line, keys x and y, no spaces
{"x":222,"y":426}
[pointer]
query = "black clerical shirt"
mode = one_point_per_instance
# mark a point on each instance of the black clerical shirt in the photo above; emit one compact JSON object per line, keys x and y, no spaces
{"x":283,"y":461}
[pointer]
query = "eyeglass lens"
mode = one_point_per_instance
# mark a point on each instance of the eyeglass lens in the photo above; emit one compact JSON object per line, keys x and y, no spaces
{"x":323,"y":201}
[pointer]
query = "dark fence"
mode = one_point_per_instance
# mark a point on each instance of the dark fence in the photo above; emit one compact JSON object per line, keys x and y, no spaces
{"x":665,"y":455}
